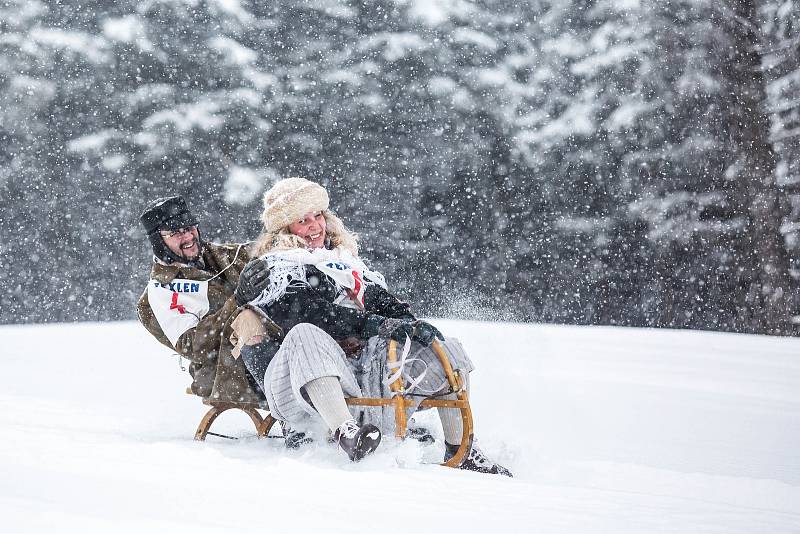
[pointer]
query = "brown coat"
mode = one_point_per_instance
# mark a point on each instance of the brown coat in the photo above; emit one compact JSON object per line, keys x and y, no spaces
{"x":215,"y":373}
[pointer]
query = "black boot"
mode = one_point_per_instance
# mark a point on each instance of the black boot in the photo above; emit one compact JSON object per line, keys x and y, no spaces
{"x":295,"y":438}
{"x":357,"y":441}
{"x":476,"y":461}
{"x":421,"y":434}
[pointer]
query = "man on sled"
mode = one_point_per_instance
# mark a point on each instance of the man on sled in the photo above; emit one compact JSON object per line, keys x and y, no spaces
{"x":193,"y":298}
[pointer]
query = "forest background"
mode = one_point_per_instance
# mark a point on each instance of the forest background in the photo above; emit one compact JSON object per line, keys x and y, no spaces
{"x":628,"y":162}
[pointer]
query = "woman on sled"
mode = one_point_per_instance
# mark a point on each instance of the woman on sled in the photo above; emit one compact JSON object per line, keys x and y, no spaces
{"x":338,"y":316}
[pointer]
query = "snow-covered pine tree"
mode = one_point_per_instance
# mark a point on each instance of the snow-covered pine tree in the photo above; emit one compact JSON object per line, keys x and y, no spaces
{"x":780,"y":21}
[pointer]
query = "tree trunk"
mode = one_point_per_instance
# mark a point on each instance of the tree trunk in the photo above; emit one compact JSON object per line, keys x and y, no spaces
{"x":766,"y":281}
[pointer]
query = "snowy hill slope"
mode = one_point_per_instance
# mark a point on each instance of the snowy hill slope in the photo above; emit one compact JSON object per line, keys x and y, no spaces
{"x":607,"y":430}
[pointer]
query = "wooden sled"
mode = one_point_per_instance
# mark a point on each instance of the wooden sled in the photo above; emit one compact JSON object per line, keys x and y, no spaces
{"x":401,"y":403}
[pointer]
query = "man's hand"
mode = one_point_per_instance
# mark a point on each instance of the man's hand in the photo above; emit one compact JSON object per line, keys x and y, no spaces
{"x":252,"y":281}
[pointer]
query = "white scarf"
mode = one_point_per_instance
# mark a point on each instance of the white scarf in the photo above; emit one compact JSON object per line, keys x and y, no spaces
{"x":347,"y":272}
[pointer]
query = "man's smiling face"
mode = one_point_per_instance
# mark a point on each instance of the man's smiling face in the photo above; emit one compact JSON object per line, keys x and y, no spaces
{"x":183,"y":242}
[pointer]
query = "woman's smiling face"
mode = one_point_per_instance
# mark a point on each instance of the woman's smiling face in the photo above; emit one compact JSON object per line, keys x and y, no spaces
{"x":311,"y":228}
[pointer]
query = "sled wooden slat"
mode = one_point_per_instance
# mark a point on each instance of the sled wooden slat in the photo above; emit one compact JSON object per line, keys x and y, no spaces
{"x":400,"y":418}
{"x":367,"y":401}
{"x":427,"y":403}
{"x":444,"y":403}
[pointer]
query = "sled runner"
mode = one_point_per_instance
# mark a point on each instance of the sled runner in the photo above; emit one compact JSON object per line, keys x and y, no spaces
{"x":263,"y":424}
{"x":399,"y":400}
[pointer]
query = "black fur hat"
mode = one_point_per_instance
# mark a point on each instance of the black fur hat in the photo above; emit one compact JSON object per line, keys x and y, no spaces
{"x":168,"y":213}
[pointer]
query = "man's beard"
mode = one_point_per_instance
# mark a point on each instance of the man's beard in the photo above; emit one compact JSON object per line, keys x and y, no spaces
{"x":196,"y":258}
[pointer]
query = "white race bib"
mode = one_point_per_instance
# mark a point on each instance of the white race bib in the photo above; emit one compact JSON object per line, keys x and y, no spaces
{"x":345,"y":276}
{"x":178,"y":305}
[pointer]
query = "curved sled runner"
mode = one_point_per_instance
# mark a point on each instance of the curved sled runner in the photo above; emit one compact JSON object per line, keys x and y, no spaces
{"x":262,"y":424}
{"x":400,"y":402}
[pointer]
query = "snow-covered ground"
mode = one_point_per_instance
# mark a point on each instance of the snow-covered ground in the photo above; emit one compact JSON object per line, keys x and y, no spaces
{"x":607,"y":430}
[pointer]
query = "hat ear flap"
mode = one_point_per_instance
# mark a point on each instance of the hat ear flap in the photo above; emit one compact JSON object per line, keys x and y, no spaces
{"x":160,"y":248}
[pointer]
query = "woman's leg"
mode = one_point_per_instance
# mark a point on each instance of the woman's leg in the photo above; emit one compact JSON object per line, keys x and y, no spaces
{"x":328,"y":399}
{"x":452,"y":424}
{"x":306,"y":354}
{"x":310,"y":375}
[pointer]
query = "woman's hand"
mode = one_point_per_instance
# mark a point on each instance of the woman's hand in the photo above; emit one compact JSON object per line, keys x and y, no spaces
{"x":424,"y":332}
{"x":399,"y":329}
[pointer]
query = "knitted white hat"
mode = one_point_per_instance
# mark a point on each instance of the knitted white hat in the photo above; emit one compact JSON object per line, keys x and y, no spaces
{"x":289,"y":200}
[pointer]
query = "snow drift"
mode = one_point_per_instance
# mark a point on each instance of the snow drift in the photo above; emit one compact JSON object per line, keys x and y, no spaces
{"x":607,"y":430}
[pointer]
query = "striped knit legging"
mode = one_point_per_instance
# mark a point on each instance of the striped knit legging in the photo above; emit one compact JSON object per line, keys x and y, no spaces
{"x":307,"y":353}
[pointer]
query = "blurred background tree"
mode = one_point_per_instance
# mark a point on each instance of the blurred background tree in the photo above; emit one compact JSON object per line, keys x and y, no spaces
{"x":626,"y":162}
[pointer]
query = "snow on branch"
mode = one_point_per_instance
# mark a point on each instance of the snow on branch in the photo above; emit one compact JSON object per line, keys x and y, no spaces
{"x":94,"y":49}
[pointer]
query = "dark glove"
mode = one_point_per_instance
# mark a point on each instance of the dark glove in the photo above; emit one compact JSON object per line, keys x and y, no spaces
{"x":372,"y":325}
{"x":378,"y":325}
{"x":425,"y":332}
{"x":253,"y":280}
{"x":399,"y":329}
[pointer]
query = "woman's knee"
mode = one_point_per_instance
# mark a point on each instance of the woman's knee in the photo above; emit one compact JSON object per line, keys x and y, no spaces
{"x":308,"y":340}
{"x":302,"y":331}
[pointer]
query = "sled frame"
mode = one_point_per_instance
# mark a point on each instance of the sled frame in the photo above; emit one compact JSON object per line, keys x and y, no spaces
{"x":401,"y":403}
